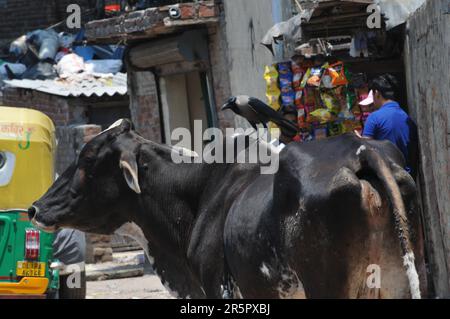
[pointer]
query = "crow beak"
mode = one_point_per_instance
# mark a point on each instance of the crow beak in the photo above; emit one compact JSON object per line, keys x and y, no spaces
{"x":227,"y":106}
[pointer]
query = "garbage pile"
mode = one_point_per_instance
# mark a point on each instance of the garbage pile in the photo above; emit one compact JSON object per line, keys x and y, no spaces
{"x":46,"y":54}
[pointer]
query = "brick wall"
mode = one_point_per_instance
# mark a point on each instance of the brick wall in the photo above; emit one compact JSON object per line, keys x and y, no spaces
{"x":55,"y":107}
{"x":21,"y":16}
{"x":144,"y":105}
{"x":64,"y":115}
{"x":220,"y":73}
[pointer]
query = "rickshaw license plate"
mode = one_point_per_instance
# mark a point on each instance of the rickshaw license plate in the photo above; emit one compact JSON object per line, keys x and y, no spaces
{"x":30,"y":269}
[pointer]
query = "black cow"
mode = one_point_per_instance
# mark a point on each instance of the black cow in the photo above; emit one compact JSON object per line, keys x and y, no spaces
{"x":312,"y":229}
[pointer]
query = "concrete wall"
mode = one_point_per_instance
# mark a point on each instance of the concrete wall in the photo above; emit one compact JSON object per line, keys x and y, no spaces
{"x":219,"y":74}
{"x":246,"y":23}
{"x":427,"y":64}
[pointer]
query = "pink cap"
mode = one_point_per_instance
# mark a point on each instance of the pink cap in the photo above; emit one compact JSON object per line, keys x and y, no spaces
{"x":368,"y":100}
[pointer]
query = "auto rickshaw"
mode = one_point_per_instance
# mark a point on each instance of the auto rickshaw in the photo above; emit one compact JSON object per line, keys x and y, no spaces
{"x":27,"y":152}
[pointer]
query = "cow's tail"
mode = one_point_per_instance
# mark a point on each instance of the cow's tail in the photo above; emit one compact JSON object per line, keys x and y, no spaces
{"x":373,"y":160}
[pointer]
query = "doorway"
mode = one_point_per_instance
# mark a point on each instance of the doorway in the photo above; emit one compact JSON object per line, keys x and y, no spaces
{"x":185,"y":98}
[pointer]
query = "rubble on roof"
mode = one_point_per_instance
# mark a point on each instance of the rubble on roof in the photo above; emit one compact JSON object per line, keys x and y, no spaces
{"x":60,"y":64}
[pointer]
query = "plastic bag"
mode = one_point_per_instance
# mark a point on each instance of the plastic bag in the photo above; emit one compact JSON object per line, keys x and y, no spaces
{"x":70,"y":64}
{"x":66,"y":40}
{"x":103,"y":66}
{"x":48,"y":42}
{"x":40,"y":71}
{"x":16,"y":68}
{"x":19,"y":46}
{"x":86,"y":52}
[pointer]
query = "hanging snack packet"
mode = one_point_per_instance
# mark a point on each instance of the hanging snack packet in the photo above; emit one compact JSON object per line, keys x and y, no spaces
{"x":288,"y":99}
{"x":301,"y":116}
{"x":315,"y":76}
{"x":305,"y":79}
{"x":322,"y":116}
{"x":337,"y":73}
{"x":298,"y":98}
{"x":320,"y":133}
{"x":272,"y":91}
{"x":285,"y":68}
{"x":285,"y":79}
{"x":335,"y":128}
{"x":298,"y":74}
{"x":330,"y":101}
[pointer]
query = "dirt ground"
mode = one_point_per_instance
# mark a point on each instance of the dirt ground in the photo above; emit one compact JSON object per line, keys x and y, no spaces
{"x":146,"y":287}
{"x":128,"y":265}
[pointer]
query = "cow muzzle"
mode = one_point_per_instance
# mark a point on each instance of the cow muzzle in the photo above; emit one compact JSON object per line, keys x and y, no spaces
{"x":32,"y":213}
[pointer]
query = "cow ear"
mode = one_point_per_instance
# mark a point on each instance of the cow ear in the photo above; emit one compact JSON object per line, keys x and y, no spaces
{"x":130,"y":171}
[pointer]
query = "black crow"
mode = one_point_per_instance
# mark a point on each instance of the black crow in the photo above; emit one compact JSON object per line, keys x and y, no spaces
{"x":258,"y":112}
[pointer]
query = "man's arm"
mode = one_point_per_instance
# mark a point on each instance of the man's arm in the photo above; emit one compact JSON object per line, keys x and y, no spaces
{"x":370,"y":127}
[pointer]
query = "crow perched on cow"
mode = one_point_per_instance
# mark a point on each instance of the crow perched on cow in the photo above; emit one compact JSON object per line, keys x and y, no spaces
{"x":257,"y":112}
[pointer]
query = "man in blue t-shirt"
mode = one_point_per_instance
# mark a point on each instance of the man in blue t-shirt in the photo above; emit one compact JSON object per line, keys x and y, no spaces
{"x":391,"y":122}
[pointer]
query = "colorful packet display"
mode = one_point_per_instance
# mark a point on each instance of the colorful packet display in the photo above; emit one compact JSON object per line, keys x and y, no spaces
{"x":326,"y":103}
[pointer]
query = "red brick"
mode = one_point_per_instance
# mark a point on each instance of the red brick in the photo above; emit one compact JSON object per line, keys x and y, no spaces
{"x":207,"y":10}
{"x":187,"y":11}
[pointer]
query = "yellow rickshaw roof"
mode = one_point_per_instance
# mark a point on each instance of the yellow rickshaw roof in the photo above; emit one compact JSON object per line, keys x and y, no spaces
{"x":29,"y":136}
{"x":19,"y":115}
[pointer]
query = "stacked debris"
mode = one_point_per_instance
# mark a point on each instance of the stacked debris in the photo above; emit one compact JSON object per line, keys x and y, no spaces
{"x":48,"y":55}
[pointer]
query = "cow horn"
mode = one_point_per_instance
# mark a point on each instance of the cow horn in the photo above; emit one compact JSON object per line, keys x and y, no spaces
{"x":184,"y":151}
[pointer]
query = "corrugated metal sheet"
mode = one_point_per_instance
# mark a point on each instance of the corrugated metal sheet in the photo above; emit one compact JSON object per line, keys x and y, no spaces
{"x":77,"y":85}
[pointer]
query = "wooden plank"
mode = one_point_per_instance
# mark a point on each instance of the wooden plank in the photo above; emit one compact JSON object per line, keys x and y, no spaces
{"x":155,"y":53}
{"x":336,"y":18}
{"x":181,"y":67}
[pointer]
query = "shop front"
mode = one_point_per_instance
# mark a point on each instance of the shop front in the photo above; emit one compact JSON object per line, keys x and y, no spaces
{"x":324,"y":83}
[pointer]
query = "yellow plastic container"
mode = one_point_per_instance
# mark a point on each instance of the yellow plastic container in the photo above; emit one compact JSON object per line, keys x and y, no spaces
{"x":27,"y":138}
